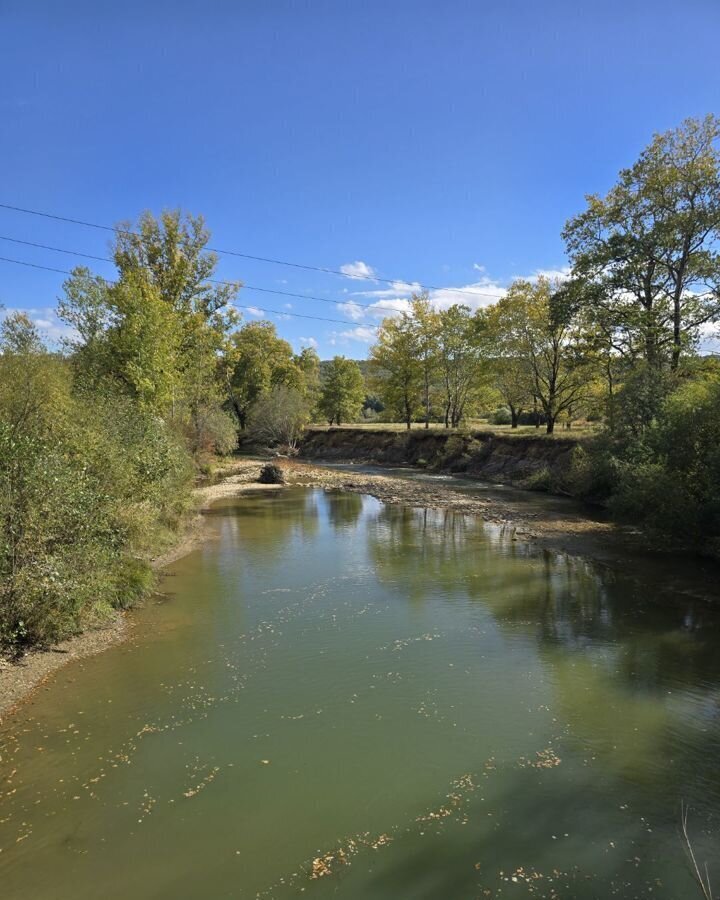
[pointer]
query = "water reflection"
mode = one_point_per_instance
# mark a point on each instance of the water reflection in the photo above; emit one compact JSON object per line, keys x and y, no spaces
{"x":326,"y":667}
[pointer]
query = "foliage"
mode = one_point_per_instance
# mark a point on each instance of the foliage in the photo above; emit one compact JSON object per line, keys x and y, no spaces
{"x":543,"y":348}
{"x":343,"y":391}
{"x":461,"y":363}
{"x":279,"y":417}
{"x":257,"y":361}
{"x":396,"y":367}
{"x":646,"y":254}
{"x":89,"y":486}
{"x":501,"y":416}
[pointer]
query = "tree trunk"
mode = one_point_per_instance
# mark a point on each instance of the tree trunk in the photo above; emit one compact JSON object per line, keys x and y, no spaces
{"x":550,"y":425}
{"x":513,"y":417}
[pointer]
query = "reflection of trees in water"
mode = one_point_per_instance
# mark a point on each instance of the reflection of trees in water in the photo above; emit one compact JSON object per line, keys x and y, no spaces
{"x":268,"y":520}
{"x":343,"y":509}
{"x":636,"y":678}
{"x":423,"y":551}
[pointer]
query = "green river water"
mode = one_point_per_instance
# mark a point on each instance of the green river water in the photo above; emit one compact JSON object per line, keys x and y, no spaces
{"x":336,"y":698}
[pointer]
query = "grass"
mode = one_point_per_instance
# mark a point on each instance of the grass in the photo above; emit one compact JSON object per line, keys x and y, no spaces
{"x":581,"y":429}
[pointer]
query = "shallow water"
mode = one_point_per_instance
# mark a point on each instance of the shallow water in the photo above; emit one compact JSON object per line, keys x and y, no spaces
{"x":405,"y":703}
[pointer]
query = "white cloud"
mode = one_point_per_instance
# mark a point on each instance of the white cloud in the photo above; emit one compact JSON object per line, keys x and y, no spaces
{"x":709,"y":337}
{"x":52,"y":330}
{"x":560,"y":274}
{"x":479,"y":268}
{"x":389,"y":307}
{"x":309,"y":342}
{"x":352,"y":310}
{"x":358,"y":269}
{"x":254,"y":311}
{"x":288,"y":305}
{"x":365,"y":334}
{"x":397,"y":288}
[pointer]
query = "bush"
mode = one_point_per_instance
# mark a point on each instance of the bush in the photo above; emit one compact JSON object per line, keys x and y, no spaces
{"x":593,"y":475}
{"x":279,"y":417}
{"x":539,"y":480}
{"x":501,"y":416}
{"x":90,"y":487}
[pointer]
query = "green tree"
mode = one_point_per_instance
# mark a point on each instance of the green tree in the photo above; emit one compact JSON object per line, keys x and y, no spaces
{"x":427,"y":328}
{"x":279,"y":417}
{"x":649,"y":247}
{"x":256,"y":361}
{"x":461,"y":362}
{"x":396,"y":368}
{"x":546,"y":336}
{"x":343,"y":391}
{"x":158,"y":331}
{"x":90,"y":484}
{"x":511,"y":371}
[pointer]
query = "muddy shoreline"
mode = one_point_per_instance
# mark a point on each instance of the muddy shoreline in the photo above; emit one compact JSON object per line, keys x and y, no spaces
{"x":558,"y":528}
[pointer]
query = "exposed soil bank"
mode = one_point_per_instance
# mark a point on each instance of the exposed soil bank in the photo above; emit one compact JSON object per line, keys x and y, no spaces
{"x":487,"y":455}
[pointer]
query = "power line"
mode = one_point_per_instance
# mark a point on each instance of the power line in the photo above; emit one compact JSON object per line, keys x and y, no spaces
{"x":247,"y":287}
{"x":278,"y":312}
{"x":264,"y":259}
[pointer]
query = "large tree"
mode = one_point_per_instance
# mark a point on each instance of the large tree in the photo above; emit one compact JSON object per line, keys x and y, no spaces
{"x":649,"y":248}
{"x":158,"y":329}
{"x":256,"y":361}
{"x":343,"y":391}
{"x":461,"y":362}
{"x":427,"y":329}
{"x":511,"y":372}
{"x":543,"y":333}
{"x":396,"y":367}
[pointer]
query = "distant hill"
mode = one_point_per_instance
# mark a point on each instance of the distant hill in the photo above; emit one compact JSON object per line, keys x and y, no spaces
{"x":362,"y":363}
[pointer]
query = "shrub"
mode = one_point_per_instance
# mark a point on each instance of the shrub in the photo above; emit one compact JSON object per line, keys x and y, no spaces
{"x":501,"y":416}
{"x":279,"y":417}
{"x":540,"y":480}
{"x":90,"y":487}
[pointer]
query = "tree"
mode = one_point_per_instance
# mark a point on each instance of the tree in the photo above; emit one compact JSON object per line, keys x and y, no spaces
{"x":343,"y":391}
{"x":510,"y":367}
{"x":460,"y":362}
{"x":649,"y":247}
{"x":158,"y":331}
{"x":279,"y":417}
{"x":427,"y":327}
{"x":396,"y":368}
{"x":256,"y":361}
{"x":545,"y":335}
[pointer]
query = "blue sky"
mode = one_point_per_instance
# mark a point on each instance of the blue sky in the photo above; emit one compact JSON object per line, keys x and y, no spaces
{"x":444,"y":143}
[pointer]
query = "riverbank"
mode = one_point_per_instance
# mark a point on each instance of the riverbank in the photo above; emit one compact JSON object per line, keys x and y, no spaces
{"x":20,"y":678}
{"x":560,"y":527}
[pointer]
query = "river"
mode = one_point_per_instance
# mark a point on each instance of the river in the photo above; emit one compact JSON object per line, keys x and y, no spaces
{"x":336,"y":698}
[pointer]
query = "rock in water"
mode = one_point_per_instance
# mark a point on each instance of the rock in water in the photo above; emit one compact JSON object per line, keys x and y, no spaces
{"x":271,"y":474}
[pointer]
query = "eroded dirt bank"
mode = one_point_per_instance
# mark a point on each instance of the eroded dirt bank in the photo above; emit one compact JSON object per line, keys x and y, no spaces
{"x":499,"y":457}
{"x":557,"y":526}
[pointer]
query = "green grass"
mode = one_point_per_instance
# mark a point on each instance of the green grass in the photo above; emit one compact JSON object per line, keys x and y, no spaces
{"x":581,"y":429}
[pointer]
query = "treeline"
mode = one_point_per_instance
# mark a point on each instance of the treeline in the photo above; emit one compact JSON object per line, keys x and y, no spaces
{"x":616,"y":341}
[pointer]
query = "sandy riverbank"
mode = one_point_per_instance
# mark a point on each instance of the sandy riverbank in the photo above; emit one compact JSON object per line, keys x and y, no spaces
{"x":557,"y":527}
